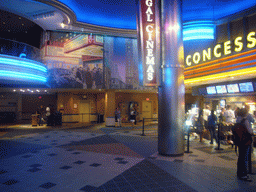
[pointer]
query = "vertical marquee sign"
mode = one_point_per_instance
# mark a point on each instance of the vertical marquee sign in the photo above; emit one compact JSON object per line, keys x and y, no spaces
{"x":148,"y":42}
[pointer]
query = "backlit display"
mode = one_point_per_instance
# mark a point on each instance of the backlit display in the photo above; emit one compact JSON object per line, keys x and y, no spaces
{"x":211,"y":90}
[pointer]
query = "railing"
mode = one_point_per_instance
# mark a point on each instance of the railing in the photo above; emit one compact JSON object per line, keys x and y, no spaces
{"x":71,"y":118}
{"x":80,"y":117}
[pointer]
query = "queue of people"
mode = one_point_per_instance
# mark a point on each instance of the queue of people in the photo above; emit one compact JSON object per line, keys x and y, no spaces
{"x":231,"y":118}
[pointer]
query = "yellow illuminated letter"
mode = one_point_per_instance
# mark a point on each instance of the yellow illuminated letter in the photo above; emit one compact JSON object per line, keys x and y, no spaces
{"x":196,"y":57}
{"x":207,"y":54}
{"x":239,"y":44}
{"x":251,"y":39}
{"x":216,"y":54}
{"x":188,"y":62}
{"x":227,"y":48}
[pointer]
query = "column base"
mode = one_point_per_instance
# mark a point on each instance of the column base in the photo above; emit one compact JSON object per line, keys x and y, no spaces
{"x":172,"y":155}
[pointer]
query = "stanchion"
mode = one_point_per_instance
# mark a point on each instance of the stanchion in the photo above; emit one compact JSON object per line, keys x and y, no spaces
{"x":188,"y":143}
{"x":143,"y":128}
{"x":250,"y":160}
{"x":218,"y":148}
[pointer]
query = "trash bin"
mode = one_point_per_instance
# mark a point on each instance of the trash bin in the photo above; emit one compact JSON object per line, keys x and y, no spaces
{"x":34,"y":119}
{"x":110,"y":122}
{"x":100,"y":118}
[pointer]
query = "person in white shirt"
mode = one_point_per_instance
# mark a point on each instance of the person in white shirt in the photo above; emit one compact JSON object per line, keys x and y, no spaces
{"x":229,"y":115}
{"x":206,"y":113}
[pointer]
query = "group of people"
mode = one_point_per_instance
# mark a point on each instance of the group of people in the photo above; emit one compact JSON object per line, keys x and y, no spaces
{"x":92,"y":79}
{"x":207,"y":119}
{"x":133,"y":114}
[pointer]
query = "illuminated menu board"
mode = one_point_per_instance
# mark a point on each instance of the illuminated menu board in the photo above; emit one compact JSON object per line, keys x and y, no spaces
{"x":246,"y":87}
{"x":211,"y":90}
{"x":233,"y":88}
{"x":221,"y":89}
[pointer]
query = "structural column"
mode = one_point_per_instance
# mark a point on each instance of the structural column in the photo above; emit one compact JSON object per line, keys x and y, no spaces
{"x":110,"y":104}
{"x":171,"y":90}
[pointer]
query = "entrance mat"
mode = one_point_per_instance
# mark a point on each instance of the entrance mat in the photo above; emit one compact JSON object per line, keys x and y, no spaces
{"x":212,"y":150}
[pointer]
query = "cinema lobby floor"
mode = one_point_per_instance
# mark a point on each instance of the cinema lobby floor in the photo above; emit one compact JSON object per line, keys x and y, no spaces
{"x":99,"y":158}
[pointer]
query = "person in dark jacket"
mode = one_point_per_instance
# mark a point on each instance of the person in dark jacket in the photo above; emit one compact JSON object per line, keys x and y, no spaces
{"x":244,"y":147}
{"x":212,"y":120}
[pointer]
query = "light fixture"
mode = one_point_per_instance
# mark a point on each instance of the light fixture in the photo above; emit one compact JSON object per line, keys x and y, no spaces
{"x":43,"y":15}
{"x":22,"y":63}
{"x":19,"y":75}
{"x":194,"y":30}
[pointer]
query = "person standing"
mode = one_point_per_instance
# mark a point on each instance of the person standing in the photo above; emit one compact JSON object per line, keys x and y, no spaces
{"x":229,"y":115}
{"x":212,"y":120}
{"x":206,"y":113}
{"x":118,"y":117}
{"x":133,"y":116}
{"x":244,"y":146}
{"x":41,"y":113}
{"x":88,"y":78}
{"x":200,"y":125}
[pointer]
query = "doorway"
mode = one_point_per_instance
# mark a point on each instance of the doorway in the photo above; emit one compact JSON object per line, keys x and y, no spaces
{"x":84,"y":111}
{"x":146,"y":109}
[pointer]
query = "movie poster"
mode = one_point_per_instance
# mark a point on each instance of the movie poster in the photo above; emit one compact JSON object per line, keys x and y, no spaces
{"x":74,"y":60}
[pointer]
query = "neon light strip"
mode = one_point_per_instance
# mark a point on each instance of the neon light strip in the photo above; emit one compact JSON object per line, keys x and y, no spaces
{"x":243,"y":62}
{"x":191,"y":37}
{"x":198,"y":30}
{"x":14,"y":75}
{"x":220,"y":60}
{"x":16,"y":62}
{"x":222,"y":75}
{"x":199,"y":22}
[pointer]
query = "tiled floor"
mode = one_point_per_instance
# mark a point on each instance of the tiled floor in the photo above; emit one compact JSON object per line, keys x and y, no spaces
{"x":112,"y":159}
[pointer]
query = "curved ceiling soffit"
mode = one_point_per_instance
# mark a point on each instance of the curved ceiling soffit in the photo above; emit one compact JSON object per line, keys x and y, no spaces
{"x":71,"y":19}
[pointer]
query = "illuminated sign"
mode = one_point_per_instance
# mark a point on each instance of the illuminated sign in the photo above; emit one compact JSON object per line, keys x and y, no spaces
{"x":220,"y":50}
{"x":148,"y":38}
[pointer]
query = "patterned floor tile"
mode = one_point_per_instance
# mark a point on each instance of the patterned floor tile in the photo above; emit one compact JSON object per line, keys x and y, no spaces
{"x":65,"y":167}
{"x":47,"y":185}
{"x":88,"y":188}
{"x":3,"y":171}
{"x":79,"y":162}
{"x":34,"y":170}
{"x":95,"y":165}
{"x":11,"y":182}
{"x":113,"y":148}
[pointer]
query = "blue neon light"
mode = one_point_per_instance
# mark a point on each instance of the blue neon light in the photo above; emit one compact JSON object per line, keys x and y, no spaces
{"x":122,"y":14}
{"x":10,"y":61}
{"x":119,"y":14}
{"x":194,"y":30}
{"x":20,"y":75}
